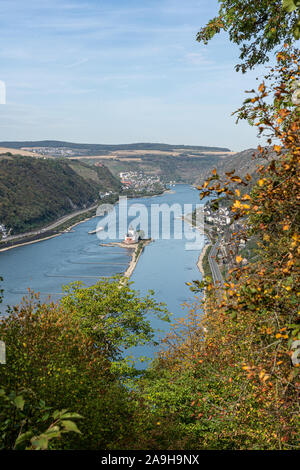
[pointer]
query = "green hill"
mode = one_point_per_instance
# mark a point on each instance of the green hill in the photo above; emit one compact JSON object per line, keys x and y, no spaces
{"x":34,"y":191}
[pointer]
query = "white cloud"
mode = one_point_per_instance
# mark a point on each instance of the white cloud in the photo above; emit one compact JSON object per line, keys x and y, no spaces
{"x":197,"y":58}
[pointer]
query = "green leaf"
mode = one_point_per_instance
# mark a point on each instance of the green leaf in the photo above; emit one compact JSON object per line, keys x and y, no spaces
{"x":22,"y":439}
{"x":45,"y":416}
{"x":71,"y":416}
{"x":19,"y":402}
{"x":296,"y":32}
{"x":289,"y":5}
{"x":58,"y":413}
{"x":70,"y":426}
{"x":40,"y":443}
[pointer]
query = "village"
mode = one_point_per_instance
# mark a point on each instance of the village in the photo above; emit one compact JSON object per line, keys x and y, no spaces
{"x":139,"y":182}
{"x":220,"y":227}
{"x":51,"y":151}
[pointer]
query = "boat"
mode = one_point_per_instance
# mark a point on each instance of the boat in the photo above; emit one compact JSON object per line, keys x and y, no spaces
{"x":98,"y":229}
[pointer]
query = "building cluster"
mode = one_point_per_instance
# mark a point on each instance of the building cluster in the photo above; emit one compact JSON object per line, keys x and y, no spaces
{"x":219,"y":218}
{"x":223,"y":225}
{"x":138,"y":181}
{"x":227,"y":251}
{"x":106,"y":194}
{"x":52,"y":151}
{"x":3,"y":231}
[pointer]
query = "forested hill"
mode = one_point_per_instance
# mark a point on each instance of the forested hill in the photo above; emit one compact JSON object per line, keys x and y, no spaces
{"x":91,"y":148}
{"x":245,"y":162}
{"x":34,"y":191}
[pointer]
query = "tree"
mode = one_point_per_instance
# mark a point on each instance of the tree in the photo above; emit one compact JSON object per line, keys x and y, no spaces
{"x":257,"y":26}
{"x":228,"y":378}
{"x":112,"y":314}
{"x":69,"y":356}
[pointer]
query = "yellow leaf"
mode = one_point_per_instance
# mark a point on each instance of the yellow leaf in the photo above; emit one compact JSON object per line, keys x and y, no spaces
{"x":238,"y":259}
{"x":236,"y":204}
{"x":261,"y":182}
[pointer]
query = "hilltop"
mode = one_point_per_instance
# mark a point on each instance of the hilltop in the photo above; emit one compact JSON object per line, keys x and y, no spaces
{"x":179,"y":163}
{"x":107,"y":147}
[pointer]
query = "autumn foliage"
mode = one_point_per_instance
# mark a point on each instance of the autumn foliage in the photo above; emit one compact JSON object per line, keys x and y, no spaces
{"x":237,"y":363}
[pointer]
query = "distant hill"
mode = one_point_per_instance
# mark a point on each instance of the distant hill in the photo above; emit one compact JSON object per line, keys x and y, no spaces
{"x":243,"y":162}
{"x":36,"y":191}
{"x":92,"y":148}
{"x":180,"y":163}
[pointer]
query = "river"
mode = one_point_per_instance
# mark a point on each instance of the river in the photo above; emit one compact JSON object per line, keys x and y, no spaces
{"x":164,"y":266}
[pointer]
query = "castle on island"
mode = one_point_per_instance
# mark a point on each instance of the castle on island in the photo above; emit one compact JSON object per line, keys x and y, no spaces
{"x":132,"y":236}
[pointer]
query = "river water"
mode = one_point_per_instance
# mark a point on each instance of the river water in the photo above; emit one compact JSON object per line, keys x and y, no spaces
{"x":164,"y":266}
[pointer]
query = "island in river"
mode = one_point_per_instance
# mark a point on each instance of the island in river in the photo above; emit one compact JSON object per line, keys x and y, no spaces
{"x":164,"y":266}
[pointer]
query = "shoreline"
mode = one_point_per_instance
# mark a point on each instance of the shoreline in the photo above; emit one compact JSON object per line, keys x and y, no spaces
{"x":48,"y":237}
{"x":134,"y":257}
{"x":204,"y":249}
{"x":29,"y":243}
{"x":200,"y":259}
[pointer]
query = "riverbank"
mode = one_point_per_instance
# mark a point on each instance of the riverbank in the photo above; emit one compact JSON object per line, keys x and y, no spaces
{"x":136,"y":251}
{"x":30,"y":239}
{"x":189,"y":220}
{"x":201,"y":258}
{"x":59,"y":227}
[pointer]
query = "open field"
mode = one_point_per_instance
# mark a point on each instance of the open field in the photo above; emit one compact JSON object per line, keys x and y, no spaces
{"x":136,"y":155}
{"x":107,"y":157}
{"x":24,"y":153}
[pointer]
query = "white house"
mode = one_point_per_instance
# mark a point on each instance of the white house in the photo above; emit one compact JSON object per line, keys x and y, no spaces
{"x":132,"y":236}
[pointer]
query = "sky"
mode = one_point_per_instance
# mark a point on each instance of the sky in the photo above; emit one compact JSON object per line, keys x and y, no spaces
{"x":119,"y":71}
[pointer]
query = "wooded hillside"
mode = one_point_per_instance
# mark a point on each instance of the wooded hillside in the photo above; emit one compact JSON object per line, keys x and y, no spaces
{"x":34,"y":192}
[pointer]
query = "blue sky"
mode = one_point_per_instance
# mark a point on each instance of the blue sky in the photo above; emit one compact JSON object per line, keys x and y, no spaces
{"x":119,"y":71}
